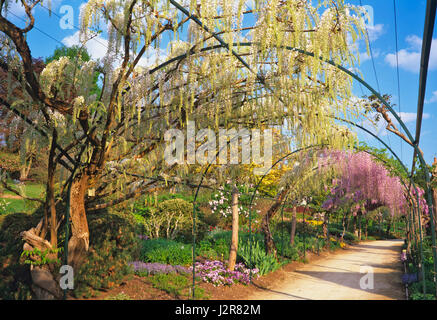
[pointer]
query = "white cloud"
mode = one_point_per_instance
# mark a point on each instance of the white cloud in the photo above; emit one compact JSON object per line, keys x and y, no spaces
{"x":414,"y":41}
{"x":411,"y":116}
{"x":409,"y":58}
{"x":96,"y":47}
{"x":16,"y":8}
{"x":364,"y":56}
{"x":375,"y":31}
{"x":433,"y":98}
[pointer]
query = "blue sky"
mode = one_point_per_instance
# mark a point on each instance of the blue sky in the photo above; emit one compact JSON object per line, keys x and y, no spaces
{"x":411,"y":16}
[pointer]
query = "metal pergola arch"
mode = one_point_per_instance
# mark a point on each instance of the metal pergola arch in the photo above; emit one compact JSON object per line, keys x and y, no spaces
{"x":404,"y":184}
{"x":278,"y":161}
{"x":416,"y":149}
{"x":343,"y":69}
{"x":318,"y":146}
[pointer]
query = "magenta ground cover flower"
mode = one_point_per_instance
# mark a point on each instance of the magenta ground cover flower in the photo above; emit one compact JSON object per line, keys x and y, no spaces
{"x":216,"y":273}
{"x":156,"y":268}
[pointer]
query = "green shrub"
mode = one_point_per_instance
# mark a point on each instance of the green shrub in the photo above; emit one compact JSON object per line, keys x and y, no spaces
{"x":216,"y":243}
{"x":265,"y":263}
{"x":421,"y":296}
{"x":166,"y":251}
{"x":176,"y":285}
{"x":15,"y":277}
{"x":288,"y":251}
{"x":348,"y":236}
{"x":165,"y":219}
{"x":214,"y":248}
{"x":113,"y":244}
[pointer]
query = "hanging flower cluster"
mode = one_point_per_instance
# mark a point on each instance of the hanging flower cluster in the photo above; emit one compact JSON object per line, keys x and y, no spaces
{"x":364,"y":184}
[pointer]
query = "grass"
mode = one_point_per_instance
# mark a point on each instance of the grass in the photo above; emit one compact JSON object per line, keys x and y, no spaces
{"x":32,"y":190}
{"x":176,"y":285}
{"x":120,"y":296}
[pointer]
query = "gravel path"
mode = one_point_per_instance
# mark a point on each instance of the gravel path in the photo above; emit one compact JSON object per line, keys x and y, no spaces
{"x":337,"y":277}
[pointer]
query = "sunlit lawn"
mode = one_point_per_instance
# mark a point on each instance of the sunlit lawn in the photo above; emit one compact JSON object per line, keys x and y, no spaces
{"x":31,"y":190}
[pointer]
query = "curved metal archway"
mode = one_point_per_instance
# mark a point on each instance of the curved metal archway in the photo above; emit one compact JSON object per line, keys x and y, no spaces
{"x":223,"y":44}
{"x":397,"y":158}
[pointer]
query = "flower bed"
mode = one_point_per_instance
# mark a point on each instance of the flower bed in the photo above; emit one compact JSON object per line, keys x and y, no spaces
{"x":156,"y":268}
{"x":216,"y":272}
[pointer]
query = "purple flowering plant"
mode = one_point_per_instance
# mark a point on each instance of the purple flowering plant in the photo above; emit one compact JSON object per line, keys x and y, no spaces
{"x":216,"y":272}
{"x":143,"y":268}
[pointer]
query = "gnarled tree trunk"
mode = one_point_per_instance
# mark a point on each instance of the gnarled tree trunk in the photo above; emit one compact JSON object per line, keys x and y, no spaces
{"x":78,"y":244}
{"x":46,"y":277}
{"x":268,"y":238}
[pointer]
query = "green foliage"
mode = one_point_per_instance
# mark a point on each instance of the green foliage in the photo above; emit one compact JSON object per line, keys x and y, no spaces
{"x":176,"y":285}
{"x":214,"y":249}
{"x":36,"y":257}
{"x":265,"y":263}
{"x":288,"y":251}
{"x":70,"y":52}
{"x":216,"y":244}
{"x":163,"y":219}
{"x":348,"y":236}
{"x":166,"y":251}
{"x":421,"y":296}
{"x":113,"y":244}
{"x":416,"y":289}
{"x":3,"y":206}
{"x":73,"y":53}
{"x":15,"y":277}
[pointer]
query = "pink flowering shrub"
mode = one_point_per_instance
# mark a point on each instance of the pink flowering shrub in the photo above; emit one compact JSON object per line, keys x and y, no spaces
{"x":216,"y":272}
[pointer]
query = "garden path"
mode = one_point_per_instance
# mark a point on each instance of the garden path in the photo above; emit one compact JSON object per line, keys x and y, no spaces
{"x":337,"y":277}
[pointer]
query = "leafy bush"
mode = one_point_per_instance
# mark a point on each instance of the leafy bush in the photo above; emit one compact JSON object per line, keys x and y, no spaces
{"x":288,"y":251}
{"x":216,"y":244}
{"x":176,"y":285}
{"x":3,"y":205}
{"x":265,"y":263}
{"x":164,"y":219}
{"x":166,"y":251}
{"x":112,"y":244}
{"x":348,"y":236}
{"x":15,"y":277}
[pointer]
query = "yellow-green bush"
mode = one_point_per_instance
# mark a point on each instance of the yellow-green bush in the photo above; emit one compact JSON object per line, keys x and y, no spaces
{"x":166,"y":219}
